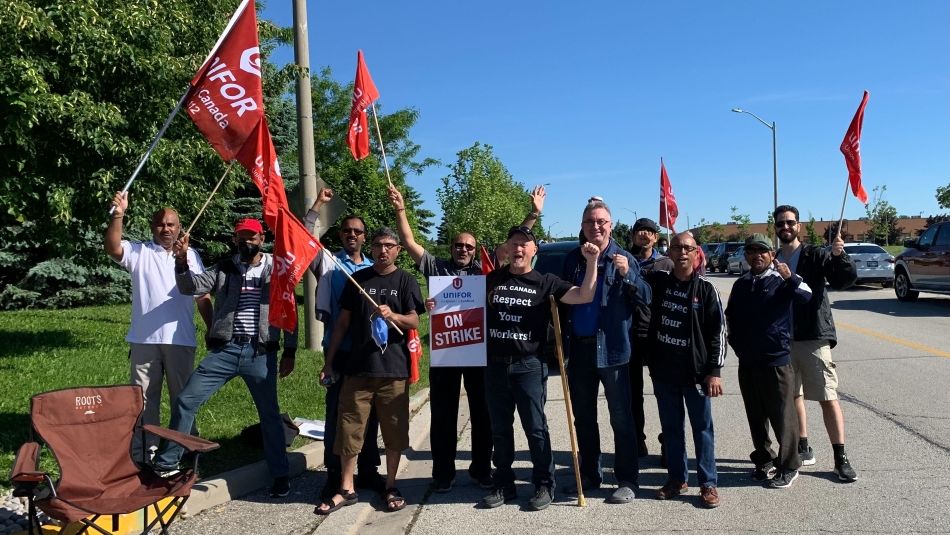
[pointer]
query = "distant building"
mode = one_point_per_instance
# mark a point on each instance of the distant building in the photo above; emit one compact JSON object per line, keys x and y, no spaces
{"x":852,"y":229}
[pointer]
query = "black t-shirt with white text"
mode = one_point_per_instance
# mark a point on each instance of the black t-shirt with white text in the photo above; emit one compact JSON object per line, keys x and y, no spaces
{"x":673,"y":362}
{"x":398,"y":290}
{"x":519,"y":310}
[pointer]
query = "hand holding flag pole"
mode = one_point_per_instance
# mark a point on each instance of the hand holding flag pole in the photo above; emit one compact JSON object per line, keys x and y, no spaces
{"x":851,"y":148}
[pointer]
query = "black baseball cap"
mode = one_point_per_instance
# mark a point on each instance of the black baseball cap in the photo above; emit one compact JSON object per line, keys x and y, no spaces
{"x":522,"y":230}
{"x":646,"y":223}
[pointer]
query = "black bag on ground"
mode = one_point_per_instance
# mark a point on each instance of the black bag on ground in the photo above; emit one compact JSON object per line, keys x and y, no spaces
{"x":251,"y":435}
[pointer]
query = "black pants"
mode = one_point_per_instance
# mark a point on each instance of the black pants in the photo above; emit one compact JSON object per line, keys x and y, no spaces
{"x":768,"y":393}
{"x":444,"y":392}
{"x":636,"y":390}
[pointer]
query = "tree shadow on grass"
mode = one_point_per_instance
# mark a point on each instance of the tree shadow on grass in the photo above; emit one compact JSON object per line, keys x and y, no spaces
{"x":23,"y":344}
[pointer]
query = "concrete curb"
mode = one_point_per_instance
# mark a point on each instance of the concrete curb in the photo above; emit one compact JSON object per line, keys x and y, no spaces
{"x":235,"y":483}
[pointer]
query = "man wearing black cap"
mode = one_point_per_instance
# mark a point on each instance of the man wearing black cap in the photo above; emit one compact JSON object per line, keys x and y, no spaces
{"x":518,"y":311}
{"x":643,"y":237}
{"x":237,"y":346}
{"x":759,"y":316}
{"x":598,"y":339}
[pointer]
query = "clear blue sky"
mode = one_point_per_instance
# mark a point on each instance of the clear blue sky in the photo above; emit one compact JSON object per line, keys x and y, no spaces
{"x":587,"y":96}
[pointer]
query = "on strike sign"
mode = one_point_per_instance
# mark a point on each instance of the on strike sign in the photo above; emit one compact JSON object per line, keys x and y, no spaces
{"x":457,"y":324}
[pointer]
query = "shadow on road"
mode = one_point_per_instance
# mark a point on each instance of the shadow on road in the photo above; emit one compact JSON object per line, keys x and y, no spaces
{"x":889,"y":306}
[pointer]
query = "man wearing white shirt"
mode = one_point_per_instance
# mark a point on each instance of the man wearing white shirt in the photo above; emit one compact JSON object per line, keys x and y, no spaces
{"x":162,"y":332}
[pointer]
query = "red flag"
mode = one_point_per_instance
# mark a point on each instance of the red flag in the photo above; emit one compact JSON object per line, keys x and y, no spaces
{"x":364,"y":94}
{"x":668,"y":209}
{"x":487,"y":265}
{"x":414,"y":344}
{"x":851,"y":148}
{"x":294,"y":249}
{"x":260,"y":159}
{"x":225,"y":100}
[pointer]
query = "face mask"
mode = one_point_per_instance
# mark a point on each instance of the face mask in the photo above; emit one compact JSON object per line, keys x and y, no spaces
{"x":248,"y":251}
{"x":380,"y":332}
{"x":662,"y":249}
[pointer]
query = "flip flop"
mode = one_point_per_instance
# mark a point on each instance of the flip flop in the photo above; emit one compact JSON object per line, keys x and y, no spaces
{"x":394,"y":500}
{"x":349,"y":498}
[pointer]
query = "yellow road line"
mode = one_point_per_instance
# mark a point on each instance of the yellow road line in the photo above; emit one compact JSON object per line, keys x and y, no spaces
{"x":895,"y":340}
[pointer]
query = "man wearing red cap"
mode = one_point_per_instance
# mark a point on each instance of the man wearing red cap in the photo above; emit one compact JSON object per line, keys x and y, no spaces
{"x":237,"y":346}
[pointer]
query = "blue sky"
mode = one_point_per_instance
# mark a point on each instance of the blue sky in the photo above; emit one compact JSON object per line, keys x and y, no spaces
{"x":587,"y":96}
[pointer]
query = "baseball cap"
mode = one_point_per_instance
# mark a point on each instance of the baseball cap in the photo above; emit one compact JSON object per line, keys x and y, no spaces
{"x":522,"y":230}
{"x":759,"y":240}
{"x":646,"y":223}
{"x":249,"y":224}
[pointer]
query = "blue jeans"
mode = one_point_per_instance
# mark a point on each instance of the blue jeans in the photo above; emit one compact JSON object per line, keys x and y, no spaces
{"x":670,"y":400}
{"x":584,"y":379}
{"x":521,"y":384}
{"x":218,"y":367}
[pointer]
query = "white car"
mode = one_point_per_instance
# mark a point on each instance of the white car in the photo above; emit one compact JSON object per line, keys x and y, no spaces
{"x":736,"y":262}
{"x":873,"y":263}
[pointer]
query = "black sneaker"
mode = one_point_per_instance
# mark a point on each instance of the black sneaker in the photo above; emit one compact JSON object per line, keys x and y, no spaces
{"x":762,"y":473}
{"x":373,"y":481}
{"x":587,"y":484}
{"x":543,"y":496}
{"x":807,"y":455}
{"x":844,"y":471}
{"x":166,"y":471}
{"x":498,"y":497}
{"x":442,"y":485}
{"x":484,"y":482}
{"x":280,"y":488}
{"x":784,"y":479}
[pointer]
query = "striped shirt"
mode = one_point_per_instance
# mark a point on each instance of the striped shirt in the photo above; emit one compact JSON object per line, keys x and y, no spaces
{"x":248,"y":314}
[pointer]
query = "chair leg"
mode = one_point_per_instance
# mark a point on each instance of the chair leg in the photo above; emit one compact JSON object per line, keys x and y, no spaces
{"x":91,"y":523}
{"x":177,"y":503}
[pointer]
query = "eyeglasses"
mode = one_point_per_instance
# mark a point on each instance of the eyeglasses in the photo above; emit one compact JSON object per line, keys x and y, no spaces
{"x":353,"y":231}
{"x":385,"y":246}
{"x":465,"y":246}
{"x":755,"y":251}
{"x":786,"y":223}
{"x":682,"y":248}
{"x":597,"y":222}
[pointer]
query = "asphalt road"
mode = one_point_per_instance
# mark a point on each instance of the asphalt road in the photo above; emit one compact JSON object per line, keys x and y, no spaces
{"x":894,"y":365}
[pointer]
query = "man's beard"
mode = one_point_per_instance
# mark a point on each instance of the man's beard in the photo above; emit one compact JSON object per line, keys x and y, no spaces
{"x":792,"y":237}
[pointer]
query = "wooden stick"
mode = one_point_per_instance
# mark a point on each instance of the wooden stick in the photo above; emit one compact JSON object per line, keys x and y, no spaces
{"x":559,"y":346}
{"x":358,"y":287}
{"x":381,"y":148}
{"x":215,"y":190}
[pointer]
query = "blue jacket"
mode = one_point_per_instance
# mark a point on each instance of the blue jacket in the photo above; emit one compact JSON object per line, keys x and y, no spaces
{"x":618,"y":304}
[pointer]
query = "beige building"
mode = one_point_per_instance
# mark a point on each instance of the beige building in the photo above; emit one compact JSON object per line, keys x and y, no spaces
{"x":853,"y":229}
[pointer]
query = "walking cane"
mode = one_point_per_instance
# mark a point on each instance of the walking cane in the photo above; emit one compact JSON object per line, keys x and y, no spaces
{"x":559,"y":348}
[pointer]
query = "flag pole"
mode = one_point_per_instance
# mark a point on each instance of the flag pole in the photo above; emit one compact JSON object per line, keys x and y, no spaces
{"x":559,"y":347}
{"x":843,"y":201}
{"x":358,"y":287}
{"x":158,"y":136}
{"x":381,"y":148}
{"x":208,"y":201}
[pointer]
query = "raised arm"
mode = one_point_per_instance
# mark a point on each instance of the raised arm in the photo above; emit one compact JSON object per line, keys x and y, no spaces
{"x":584,"y":293}
{"x":402,"y":226}
{"x":537,"y":204}
{"x":113,"y":237}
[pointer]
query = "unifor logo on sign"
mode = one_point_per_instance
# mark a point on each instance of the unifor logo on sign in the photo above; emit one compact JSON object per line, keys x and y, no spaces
{"x":457,"y":282}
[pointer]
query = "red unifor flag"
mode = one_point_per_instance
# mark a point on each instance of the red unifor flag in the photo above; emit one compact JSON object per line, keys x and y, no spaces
{"x":851,"y":148}
{"x":226,"y":104}
{"x":487,"y":265}
{"x":668,"y":209}
{"x":364,"y":94}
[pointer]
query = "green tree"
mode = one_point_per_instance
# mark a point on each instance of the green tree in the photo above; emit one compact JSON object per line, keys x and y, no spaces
{"x":480,"y":196}
{"x":943,"y":196}
{"x":812,"y":235}
{"x":882,"y":219}
{"x":770,"y":226}
{"x":717,"y":231}
{"x":702,"y":233}
{"x":742,"y":222}
{"x":621,"y":234}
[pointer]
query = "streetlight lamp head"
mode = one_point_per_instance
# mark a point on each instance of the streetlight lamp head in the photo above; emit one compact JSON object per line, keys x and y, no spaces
{"x":738,"y":110}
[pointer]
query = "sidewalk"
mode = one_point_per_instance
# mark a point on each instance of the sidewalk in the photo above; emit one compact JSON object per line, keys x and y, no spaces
{"x":902,"y":487}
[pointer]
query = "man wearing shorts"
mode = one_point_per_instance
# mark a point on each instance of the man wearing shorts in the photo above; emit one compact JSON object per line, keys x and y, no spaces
{"x":814,"y":333}
{"x":376,"y":370}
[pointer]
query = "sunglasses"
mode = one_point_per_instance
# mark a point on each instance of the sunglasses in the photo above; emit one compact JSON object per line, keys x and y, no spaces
{"x":465,"y":246}
{"x":385,"y":246}
{"x":354,"y":231}
{"x":786,"y":223}
{"x":683,"y":248}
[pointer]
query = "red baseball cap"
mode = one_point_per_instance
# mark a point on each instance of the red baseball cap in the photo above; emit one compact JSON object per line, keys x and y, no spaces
{"x":249,"y":224}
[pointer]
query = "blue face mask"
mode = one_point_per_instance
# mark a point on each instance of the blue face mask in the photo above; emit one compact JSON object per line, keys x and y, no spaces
{"x":380,"y":331}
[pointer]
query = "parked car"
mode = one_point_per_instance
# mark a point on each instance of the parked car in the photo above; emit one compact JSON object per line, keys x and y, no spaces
{"x":550,"y":259}
{"x":719,"y":259}
{"x":873,"y":263}
{"x":709,"y":249}
{"x":736,"y":262}
{"x":924,"y":266}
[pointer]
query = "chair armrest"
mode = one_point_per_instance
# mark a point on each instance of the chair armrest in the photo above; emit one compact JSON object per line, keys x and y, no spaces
{"x":190,"y":443}
{"x":26,"y":463}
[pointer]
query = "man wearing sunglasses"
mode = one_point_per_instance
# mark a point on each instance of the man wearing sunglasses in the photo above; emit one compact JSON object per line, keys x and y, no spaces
{"x":814,"y":333}
{"x":445,"y":382}
{"x":331,"y":283}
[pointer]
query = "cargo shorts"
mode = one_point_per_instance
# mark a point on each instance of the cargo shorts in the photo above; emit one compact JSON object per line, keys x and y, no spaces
{"x":815,"y":375}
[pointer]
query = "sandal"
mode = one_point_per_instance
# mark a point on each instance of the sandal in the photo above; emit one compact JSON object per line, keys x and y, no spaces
{"x":348,"y":498}
{"x":394,"y":500}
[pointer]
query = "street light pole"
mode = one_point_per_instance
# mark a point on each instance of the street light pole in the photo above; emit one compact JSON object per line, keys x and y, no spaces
{"x":774,"y":154}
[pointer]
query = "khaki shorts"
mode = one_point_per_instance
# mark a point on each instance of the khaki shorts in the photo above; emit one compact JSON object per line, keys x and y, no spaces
{"x":357,"y":397}
{"x":815,"y":375}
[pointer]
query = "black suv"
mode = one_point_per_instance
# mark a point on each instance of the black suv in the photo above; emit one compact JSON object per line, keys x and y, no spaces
{"x":718,"y":261}
{"x":924,"y":266}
